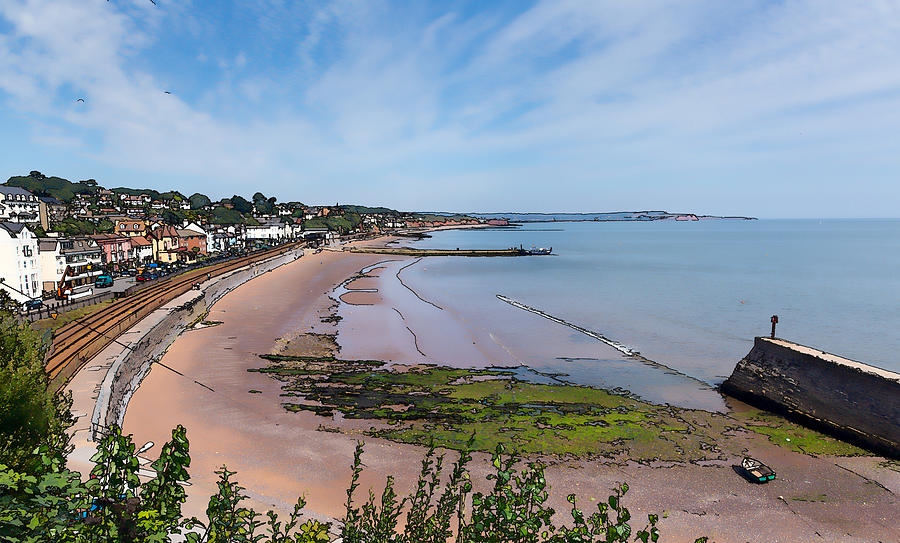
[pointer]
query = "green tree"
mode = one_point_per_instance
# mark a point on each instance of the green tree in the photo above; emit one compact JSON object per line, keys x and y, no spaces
{"x":32,"y":413}
{"x":223,"y":215}
{"x":105,"y":226}
{"x":264,"y":205}
{"x":199,"y":201}
{"x":241,"y":205}
{"x":170,"y":217}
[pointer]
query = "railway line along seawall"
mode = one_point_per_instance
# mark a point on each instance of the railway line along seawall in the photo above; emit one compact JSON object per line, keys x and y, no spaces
{"x":850,"y":399}
{"x":131,"y":358}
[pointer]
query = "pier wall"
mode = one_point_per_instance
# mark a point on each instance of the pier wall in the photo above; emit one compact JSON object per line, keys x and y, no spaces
{"x":165,"y":324}
{"x":849,"y":399}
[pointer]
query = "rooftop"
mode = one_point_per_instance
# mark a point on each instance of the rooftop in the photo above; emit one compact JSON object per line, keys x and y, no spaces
{"x":6,"y":189}
{"x":12,"y":228}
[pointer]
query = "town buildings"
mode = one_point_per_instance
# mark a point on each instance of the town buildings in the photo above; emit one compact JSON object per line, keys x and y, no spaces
{"x":116,"y":250}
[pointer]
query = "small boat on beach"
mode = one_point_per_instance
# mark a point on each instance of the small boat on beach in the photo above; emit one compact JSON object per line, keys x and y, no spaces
{"x":755,"y":471}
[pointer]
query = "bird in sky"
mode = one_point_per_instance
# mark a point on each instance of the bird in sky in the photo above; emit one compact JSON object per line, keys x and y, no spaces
{"x":80,"y":100}
{"x":167,"y":92}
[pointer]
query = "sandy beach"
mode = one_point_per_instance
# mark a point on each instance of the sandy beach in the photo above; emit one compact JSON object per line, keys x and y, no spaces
{"x":279,"y":454}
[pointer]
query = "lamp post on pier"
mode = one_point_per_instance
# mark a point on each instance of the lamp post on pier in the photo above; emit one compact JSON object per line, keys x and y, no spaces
{"x":774,"y":322}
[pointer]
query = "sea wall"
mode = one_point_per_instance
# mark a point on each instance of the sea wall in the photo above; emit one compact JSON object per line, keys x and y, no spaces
{"x":849,"y":399}
{"x":135,"y":361}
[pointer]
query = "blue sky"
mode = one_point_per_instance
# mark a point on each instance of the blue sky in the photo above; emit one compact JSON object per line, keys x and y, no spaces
{"x":772,"y":109}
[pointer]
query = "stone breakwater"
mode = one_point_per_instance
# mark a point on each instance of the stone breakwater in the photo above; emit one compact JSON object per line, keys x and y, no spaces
{"x":852,"y":400}
{"x":135,"y":361}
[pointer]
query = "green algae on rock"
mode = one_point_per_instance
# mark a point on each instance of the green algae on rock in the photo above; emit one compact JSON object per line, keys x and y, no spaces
{"x":428,"y":403}
{"x":791,"y":435}
{"x":448,"y":405}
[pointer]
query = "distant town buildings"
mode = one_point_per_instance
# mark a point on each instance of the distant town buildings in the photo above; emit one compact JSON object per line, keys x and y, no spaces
{"x":98,"y":230}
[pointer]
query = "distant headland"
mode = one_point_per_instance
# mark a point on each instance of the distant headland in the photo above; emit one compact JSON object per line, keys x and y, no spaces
{"x":605,"y":217}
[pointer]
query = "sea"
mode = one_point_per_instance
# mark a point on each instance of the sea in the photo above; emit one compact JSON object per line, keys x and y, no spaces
{"x":689,"y":297}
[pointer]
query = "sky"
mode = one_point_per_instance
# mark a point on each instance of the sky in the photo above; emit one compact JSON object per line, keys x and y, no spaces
{"x":769,"y":109}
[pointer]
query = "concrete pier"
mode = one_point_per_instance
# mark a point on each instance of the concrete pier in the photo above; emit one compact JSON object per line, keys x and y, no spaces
{"x":849,"y":399}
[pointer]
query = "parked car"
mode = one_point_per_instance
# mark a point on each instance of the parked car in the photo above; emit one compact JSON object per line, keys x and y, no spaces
{"x":103,"y":281}
{"x":35,"y":303}
{"x":147,"y":275}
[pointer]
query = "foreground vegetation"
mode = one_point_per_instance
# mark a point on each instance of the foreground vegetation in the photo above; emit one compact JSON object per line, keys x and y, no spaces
{"x":55,"y":505}
{"x":447,"y":405}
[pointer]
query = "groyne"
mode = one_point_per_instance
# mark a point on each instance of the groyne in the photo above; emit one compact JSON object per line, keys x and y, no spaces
{"x":168,"y":322}
{"x":406,"y":251}
{"x":849,"y":399}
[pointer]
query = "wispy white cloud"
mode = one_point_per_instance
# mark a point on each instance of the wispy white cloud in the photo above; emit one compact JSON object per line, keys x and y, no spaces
{"x":563,"y":105}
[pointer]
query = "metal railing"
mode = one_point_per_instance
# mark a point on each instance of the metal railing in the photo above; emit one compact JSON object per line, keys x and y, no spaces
{"x":61,"y":306}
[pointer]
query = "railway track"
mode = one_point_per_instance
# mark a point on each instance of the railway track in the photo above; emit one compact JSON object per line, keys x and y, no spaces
{"x":81,"y":340}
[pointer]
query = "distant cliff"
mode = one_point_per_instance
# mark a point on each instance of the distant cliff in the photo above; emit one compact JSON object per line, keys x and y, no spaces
{"x":855,"y":401}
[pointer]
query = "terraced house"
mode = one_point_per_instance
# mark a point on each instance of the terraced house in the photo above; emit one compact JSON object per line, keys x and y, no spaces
{"x":18,"y":205}
{"x":166,"y":245}
{"x":117,"y":252}
{"x":127,"y":226}
{"x":192,"y":244}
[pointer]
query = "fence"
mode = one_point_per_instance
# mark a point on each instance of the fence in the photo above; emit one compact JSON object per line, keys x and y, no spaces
{"x":44,"y":312}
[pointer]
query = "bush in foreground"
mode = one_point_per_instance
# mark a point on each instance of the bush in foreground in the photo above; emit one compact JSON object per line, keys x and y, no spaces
{"x":32,"y":414}
{"x":114,"y":505}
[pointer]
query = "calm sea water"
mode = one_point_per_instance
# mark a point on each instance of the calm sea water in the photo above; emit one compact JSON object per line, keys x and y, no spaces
{"x":689,"y":295}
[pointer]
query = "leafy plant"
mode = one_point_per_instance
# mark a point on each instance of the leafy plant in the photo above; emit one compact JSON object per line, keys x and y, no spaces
{"x":32,"y":414}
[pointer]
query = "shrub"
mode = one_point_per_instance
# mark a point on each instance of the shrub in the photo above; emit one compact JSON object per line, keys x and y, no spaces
{"x":32,"y":415}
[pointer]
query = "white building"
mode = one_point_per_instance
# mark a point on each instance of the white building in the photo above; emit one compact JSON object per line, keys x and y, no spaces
{"x":226,"y":238}
{"x":18,"y":205}
{"x":20,"y":266}
{"x":82,"y":257}
{"x":141,"y":249}
{"x":268,"y":230}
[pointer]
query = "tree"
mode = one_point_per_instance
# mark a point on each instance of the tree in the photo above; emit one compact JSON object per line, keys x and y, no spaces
{"x":32,"y":413}
{"x":241,"y":204}
{"x":199,"y":201}
{"x":223,"y":215}
{"x":170,"y":217}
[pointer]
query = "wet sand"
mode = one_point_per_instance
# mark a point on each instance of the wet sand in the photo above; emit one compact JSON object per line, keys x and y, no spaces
{"x":279,"y":455}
